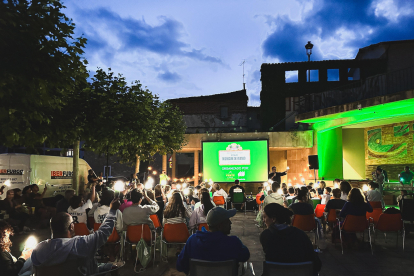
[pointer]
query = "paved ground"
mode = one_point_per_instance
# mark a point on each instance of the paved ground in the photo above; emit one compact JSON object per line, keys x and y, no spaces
{"x":388,"y":259}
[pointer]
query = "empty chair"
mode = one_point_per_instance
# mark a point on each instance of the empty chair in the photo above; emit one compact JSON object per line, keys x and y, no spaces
{"x":388,"y":223}
{"x":287,"y":269}
{"x":81,"y":229}
{"x":355,"y":224}
{"x":209,"y":268}
{"x":174,"y":234}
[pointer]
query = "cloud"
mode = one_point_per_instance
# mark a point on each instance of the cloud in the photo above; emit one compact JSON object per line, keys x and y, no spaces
{"x":108,"y":32}
{"x":168,"y":76}
{"x":337,"y":28}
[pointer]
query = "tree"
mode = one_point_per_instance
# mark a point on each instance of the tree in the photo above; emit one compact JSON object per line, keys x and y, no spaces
{"x":41,"y":65}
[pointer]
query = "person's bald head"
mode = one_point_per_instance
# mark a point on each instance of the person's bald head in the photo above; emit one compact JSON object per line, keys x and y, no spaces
{"x":61,"y":226}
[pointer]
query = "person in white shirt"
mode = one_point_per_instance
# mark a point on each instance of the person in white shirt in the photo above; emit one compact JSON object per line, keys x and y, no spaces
{"x":326,"y":195}
{"x":219,"y":191}
{"x":77,"y":209}
{"x":137,"y":214}
{"x":274,"y":197}
{"x":373,"y":194}
{"x":199,"y":215}
{"x":100,"y":210}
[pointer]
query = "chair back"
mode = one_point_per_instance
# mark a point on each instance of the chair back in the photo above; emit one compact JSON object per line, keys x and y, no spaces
{"x":208,"y":268}
{"x":68,"y":268}
{"x":376,"y":204}
{"x":134,"y":233}
{"x":390,"y":223}
{"x":287,"y":269}
{"x":355,"y":223}
{"x":114,"y":237}
{"x":407,"y":209}
{"x":320,"y":208}
{"x":219,"y":200}
{"x":375,"y":214}
{"x":175,"y":233}
{"x":81,"y":229}
{"x":238,"y":198}
{"x":258,"y":201}
{"x":304,"y":222}
{"x":331,"y":215}
{"x":155,"y":220}
{"x":201,"y":225}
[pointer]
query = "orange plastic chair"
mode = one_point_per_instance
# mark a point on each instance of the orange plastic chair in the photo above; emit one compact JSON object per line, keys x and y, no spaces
{"x":390,"y":223}
{"x":320,"y":208}
{"x":376,"y":204}
{"x":331,"y":217}
{"x":174,"y":234}
{"x":81,"y":229}
{"x":201,"y":225}
{"x":306,"y":223}
{"x":155,"y":220}
{"x":219,"y":200}
{"x":355,"y":224}
{"x":134,"y":234}
{"x":374,"y":215}
{"x":113,"y":238}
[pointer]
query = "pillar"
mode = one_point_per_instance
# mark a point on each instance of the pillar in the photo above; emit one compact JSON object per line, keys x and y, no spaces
{"x":174,"y":159}
{"x":75,"y":175}
{"x":164,"y":163}
{"x":196,"y":158}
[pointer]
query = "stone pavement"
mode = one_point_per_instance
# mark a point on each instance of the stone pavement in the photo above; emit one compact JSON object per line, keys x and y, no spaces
{"x":388,"y":259}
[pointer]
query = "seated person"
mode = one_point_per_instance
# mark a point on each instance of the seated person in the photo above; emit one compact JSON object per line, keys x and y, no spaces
{"x":336,"y":202}
{"x":219,"y":191}
{"x":373,"y":194}
{"x":140,"y":214}
{"x":356,"y":204}
{"x":18,"y":198}
{"x":199,"y":214}
{"x":176,"y":212}
{"x":100,"y":210}
{"x":402,"y":195}
{"x":284,"y":243}
{"x":239,"y":190}
{"x":274,"y":197}
{"x":313,"y":194}
{"x":326,"y":195}
{"x":18,"y":214}
{"x":63,"y":204}
{"x":78,"y":208}
{"x":321,"y":188}
{"x":9,"y":265}
{"x":214,"y":245}
{"x":302,"y":206}
{"x":198,"y":204}
{"x":291,"y":192}
{"x":285,"y":192}
{"x":64,"y":246}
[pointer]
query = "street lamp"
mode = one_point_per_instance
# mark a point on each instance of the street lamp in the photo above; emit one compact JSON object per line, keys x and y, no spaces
{"x":308,"y":48}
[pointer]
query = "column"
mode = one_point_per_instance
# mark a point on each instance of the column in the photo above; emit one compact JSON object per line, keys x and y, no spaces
{"x":164,"y":163}
{"x":196,"y":154}
{"x":173,"y":165}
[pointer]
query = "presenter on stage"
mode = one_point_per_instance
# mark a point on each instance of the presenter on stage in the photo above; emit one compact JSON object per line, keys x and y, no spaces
{"x":275,"y":176}
{"x":406,"y":176}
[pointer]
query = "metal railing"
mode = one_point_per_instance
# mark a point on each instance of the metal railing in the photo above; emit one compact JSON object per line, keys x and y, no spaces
{"x":378,"y":85}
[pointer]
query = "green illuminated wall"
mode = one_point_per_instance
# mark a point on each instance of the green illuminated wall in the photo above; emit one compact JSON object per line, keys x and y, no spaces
{"x":330,"y":154}
{"x":353,"y":145}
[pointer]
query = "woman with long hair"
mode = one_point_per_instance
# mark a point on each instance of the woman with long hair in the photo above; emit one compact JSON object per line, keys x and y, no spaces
{"x":9,"y":265}
{"x":175,"y":212}
{"x":199,"y":215}
{"x":284,"y":243}
{"x":356,"y":205}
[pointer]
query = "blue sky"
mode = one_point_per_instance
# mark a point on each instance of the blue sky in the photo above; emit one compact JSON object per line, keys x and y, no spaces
{"x":188,"y":48}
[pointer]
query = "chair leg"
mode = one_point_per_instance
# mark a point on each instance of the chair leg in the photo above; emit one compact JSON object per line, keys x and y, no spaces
{"x":340,"y":237}
{"x":403,"y":237}
{"x":370,"y":244}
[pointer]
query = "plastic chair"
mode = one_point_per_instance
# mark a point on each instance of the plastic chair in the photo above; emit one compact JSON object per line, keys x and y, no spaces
{"x":208,"y":268}
{"x":388,"y":223}
{"x":156,"y":221}
{"x":113,"y":238}
{"x":407,"y":209}
{"x":374,"y":215}
{"x":319,"y":210}
{"x":134,"y":233}
{"x":306,"y":223}
{"x":81,"y":229}
{"x":201,"y":225}
{"x":220,"y":200}
{"x":287,"y":269}
{"x":355,"y":224}
{"x":238,"y":198}
{"x":375,"y":204}
{"x":174,"y":234}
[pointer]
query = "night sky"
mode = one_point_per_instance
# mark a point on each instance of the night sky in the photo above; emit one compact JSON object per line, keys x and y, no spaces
{"x":188,"y":48}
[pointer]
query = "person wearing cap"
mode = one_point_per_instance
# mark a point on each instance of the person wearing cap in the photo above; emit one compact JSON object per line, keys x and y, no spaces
{"x":215,"y":245}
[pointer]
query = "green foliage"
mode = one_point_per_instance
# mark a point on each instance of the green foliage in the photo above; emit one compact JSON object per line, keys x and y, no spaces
{"x":41,"y":65}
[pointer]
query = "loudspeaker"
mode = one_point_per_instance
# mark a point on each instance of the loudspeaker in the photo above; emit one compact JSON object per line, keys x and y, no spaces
{"x":313,"y":162}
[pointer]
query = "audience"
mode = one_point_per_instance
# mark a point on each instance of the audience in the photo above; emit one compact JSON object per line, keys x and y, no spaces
{"x":199,"y":214}
{"x":336,"y":202}
{"x":275,"y":197}
{"x":302,"y":207}
{"x":26,"y":194}
{"x":176,"y":212}
{"x":345,"y":189}
{"x":139,"y":214}
{"x":161,"y":200}
{"x":214,"y":245}
{"x":326,"y":196}
{"x":198,"y":204}
{"x":356,"y":204}
{"x":100,"y":210}
{"x":18,"y":214}
{"x":77,"y":209}
{"x":373,"y":194}
{"x":284,"y":243}
{"x":9,"y":265}
{"x":219,"y":191}
{"x":63,"y":204}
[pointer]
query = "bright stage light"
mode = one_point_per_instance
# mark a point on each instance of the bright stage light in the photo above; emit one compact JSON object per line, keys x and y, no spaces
{"x":31,"y":242}
{"x":186,"y":192}
{"x":119,"y":186}
{"x":178,"y":186}
{"x":148,"y":186}
{"x":7,"y":182}
{"x":154,"y":172}
{"x":287,"y":168}
{"x":365,"y":187}
{"x":266,"y":184}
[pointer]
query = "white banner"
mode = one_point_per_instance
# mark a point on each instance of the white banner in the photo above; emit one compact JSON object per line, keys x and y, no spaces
{"x":234,"y":157}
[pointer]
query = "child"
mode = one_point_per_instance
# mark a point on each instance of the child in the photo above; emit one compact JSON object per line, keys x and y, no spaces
{"x":326,"y":196}
{"x":314,"y":194}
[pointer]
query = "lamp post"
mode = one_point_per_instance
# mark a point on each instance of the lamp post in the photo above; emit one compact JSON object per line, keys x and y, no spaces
{"x":308,"y":48}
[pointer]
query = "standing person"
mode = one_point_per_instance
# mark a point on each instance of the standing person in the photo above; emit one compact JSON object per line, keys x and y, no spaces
{"x":275,"y":176}
{"x":237,"y":189}
{"x":284,"y":243}
{"x":406,"y":176}
{"x":91,"y":177}
{"x":215,"y":245}
{"x":378,"y":177}
{"x":9,"y":265}
{"x":163,"y":178}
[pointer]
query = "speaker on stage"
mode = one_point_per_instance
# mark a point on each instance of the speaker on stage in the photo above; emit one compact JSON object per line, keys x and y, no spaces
{"x":313,"y":162}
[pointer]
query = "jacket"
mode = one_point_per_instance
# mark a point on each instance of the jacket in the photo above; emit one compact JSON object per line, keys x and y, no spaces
{"x":9,"y":266}
{"x":137,"y":214}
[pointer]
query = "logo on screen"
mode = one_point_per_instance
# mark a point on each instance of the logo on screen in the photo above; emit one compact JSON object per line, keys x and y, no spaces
{"x":241,"y":174}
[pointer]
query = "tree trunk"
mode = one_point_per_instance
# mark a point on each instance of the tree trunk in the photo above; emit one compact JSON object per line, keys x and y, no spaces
{"x":75,"y":175}
{"x":137,"y":163}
